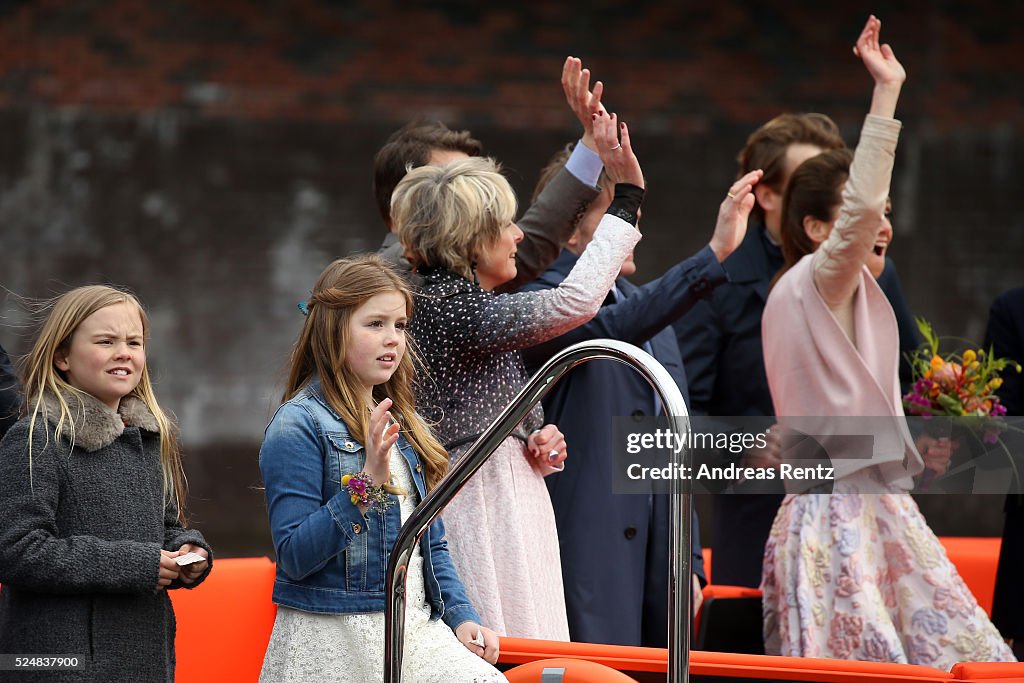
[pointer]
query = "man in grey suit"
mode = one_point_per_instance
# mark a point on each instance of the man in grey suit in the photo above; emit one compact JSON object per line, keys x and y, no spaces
{"x":550,"y":219}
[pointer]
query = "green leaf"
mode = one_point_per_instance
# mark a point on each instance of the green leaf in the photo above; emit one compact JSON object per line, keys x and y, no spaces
{"x":951,"y":404}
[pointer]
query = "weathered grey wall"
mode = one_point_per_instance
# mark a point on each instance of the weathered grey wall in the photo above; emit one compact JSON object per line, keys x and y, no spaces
{"x":215,"y":157}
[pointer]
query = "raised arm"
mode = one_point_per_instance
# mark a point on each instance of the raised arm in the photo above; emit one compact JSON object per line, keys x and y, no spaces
{"x":584,"y":102}
{"x":646,"y":312}
{"x":550,"y":221}
{"x":838,"y":262}
{"x":663,"y":301}
{"x":515,"y":321}
{"x":887,"y":72}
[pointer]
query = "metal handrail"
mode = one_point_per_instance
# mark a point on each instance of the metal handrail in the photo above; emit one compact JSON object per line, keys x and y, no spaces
{"x":539,"y":385}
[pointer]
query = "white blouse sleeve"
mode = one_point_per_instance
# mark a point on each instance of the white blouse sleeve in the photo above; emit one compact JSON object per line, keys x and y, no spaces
{"x":514,"y":321}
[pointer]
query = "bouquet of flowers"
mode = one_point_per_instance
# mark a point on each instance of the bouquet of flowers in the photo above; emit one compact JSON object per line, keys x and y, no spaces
{"x":957,"y":385}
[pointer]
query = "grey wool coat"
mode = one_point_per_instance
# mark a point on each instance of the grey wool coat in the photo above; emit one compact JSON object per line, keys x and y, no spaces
{"x":80,"y":541}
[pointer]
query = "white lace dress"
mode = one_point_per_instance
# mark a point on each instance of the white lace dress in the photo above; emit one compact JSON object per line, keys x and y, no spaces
{"x":350,"y":647}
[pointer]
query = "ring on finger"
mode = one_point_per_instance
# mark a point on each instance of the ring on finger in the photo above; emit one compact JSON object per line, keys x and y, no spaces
{"x":731,"y":195}
{"x":552,"y":455}
{"x":617,"y":146}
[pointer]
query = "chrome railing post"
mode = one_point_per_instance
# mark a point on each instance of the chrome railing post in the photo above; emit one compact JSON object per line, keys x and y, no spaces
{"x":430,"y":507}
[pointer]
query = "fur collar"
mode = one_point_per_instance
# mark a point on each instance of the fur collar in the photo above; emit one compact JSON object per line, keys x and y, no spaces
{"x":96,"y":425}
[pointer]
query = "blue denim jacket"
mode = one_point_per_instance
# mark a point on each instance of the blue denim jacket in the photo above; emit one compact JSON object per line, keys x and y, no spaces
{"x":331,"y":558}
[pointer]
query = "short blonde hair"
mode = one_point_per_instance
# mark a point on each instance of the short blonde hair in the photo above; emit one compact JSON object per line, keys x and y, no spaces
{"x":445,"y":214}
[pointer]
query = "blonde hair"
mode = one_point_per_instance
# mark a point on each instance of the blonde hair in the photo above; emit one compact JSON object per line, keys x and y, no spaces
{"x":42,"y":377}
{"x":445,"y":214}
{"x":344,"y":286}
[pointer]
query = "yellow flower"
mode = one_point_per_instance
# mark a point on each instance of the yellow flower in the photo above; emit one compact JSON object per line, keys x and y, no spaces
{"x":345,"y":479}
{"x":354,"y":499}
{"x":969,"y":357}
{"x":995,"y":383}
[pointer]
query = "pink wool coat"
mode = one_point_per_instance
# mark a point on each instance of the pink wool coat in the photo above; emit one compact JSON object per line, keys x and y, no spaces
{"x":831,"y":344}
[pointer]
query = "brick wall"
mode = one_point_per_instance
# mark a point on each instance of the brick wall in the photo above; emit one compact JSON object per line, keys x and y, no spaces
{"x":672,"y":67}
{"x":215,"y":155}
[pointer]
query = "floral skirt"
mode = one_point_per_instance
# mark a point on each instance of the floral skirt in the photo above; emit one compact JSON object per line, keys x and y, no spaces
{"x":862,"y":576}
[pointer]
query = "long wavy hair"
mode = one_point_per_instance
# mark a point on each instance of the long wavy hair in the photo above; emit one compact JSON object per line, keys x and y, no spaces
{"x":344,"y":286}
{"x":41,"y":377}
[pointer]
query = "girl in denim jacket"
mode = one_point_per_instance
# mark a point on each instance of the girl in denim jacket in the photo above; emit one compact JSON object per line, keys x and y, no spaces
{"x":345,"y":460}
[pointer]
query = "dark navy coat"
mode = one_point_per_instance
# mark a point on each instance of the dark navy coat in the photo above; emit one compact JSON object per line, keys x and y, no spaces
{"x":1005,"y":334}
{"x":614,"y":547}
{"x":720,"y":341}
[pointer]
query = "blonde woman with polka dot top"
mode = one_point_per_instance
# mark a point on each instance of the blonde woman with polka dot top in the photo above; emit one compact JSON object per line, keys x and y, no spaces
{"x":456,"y":223}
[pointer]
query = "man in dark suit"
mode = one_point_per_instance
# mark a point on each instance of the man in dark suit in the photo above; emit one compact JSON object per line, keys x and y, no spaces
{"x":552,"y":215}
{"x":720,"y":338}
{"x":10,"y":396}
{"x":1005,"y":336}
{"x":614,"y":547}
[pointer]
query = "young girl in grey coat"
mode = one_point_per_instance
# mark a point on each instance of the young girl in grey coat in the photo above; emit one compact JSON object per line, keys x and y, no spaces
{"x":91,"y":493}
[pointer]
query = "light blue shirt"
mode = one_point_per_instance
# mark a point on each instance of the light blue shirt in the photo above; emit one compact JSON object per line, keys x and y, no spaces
{"x":584,"y":164}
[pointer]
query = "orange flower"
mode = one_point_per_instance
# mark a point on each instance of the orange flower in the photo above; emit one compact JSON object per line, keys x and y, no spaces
{"x":949,"y":373}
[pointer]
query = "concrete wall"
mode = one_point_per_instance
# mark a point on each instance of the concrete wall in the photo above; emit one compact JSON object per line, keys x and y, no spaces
{"x":215,"y":156}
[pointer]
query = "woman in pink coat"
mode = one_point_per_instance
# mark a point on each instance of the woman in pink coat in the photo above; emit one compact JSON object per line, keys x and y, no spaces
{"x":856,"y":574}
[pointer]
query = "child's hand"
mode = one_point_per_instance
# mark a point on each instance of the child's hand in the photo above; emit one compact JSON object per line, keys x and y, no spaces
{"x":467,"y":633}
{"x":383,"y":435}
{"x":191,"y":572}
{"x":169,"y":569}
{"x":548,"y":444}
